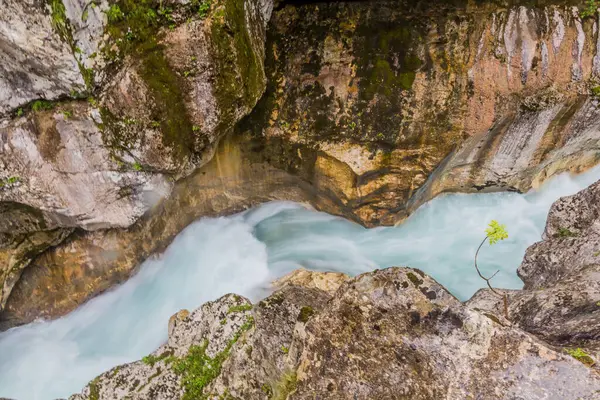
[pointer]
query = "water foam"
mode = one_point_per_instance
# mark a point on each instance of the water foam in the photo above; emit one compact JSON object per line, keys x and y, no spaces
{"x":243,"y":253}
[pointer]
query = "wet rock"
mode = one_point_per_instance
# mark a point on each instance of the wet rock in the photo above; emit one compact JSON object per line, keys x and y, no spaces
{"x":378,"y":336}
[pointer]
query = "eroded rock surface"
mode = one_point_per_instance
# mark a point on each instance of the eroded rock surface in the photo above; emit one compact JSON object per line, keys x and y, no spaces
{"x":163,"y":84}
{"x":466,"y":97}
{"x":371,"y":109}
{"x":392,"y":333}
{"x":560,"y":302}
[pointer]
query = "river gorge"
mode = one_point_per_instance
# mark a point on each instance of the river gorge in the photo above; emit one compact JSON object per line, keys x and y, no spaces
{"x":281,"y":199}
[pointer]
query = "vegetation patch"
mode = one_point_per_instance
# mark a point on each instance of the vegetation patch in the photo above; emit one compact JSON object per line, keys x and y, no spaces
{"x":240,"y":308}
{"x":9,"y":181}
{"x":414,"y":279}
{"x":152,"y":359}
{"x":286,"y":385}
{"x":198,"y":369}
{"x":590,"y":9}
{"x":305,"y":313}
{"x":62,"y":26}
{"x":565,"y":232}
{"x":580,"y":355}
{"x":94,"y":390}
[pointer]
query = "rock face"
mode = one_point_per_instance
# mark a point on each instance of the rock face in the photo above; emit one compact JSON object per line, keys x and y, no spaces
{"x":371,"y":108}
{"x":163,"y":84}
{"x":34,"y":61}
{"x":385,"y":93}
{"x":393,"y":333}
{"x":560,"y":302}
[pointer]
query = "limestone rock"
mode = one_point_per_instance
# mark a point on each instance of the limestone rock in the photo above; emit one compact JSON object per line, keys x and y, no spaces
{"x":560,"y":302}
{"x":403,"y":101}
{"x":326,"y":281}
{"x":34,"y":61}
{"x":392,"y":333}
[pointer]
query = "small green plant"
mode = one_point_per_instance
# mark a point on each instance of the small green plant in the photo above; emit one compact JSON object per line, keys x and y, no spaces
{"x":20,"y":112}
{"x":203,"y":8}
{"x":195,"y":128}
{"x":595,"y":91}
{"x":137,"y":166}
{"x":590,"y":9}
{"x":155,"y":124}
{"x":9,"y":181}
{"x":67,"y":114}
{"x":495,"y":232}
{"x":59,"y":19}
{"x":284,"y":350}
{"x":580,"y":355}
{"x":41,"y":105}
{"x":114,"y":13}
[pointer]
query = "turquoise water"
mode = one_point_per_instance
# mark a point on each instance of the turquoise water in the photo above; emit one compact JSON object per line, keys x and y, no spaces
{"x":243,"y":253}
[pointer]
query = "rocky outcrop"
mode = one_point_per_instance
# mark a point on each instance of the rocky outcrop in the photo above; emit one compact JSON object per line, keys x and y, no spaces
{"x":560,"y":302}
{"x":404,"y":100}
{"x":163,"y":82}
{"x":368,"y":119}
{"x":390,"y":333}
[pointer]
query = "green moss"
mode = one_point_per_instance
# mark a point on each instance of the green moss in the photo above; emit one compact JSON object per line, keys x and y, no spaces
{"x":287,"y":385}
{"x":590,"y":9}
{"x":42,"y":105}
{"x":414,"y":279}
{"x":565,"y":232}
{"x":284,"y":349}
{"x":94,"y":390}
{"x":240,"y":74}
{"x":240,"y":308}
{"x":305,"y":313}
{"x":580,"y":355}
{"x":595,"y":91}
{"x":267,"y":390}
{"x":152,"y":359}
{"x":60,"y":22}
{"x":137,"y":166}
{"x":198,"y":369}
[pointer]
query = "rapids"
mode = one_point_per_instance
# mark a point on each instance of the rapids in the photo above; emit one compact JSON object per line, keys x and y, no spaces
{"x":244,"y":252}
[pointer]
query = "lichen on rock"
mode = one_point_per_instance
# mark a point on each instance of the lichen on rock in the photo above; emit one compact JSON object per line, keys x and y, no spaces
{"x":371,"y":338}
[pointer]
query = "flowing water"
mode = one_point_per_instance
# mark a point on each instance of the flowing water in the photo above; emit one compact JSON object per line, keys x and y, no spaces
{"x":244,"y":252}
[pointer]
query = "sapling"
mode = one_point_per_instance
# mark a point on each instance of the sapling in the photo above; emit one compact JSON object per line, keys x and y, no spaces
{"x":495,"y":232}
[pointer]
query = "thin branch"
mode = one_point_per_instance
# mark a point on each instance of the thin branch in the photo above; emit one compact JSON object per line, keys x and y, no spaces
{"x":487,"y":280}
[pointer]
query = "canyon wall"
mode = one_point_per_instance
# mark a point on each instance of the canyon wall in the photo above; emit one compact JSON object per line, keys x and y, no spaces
{"x":132,"y":119}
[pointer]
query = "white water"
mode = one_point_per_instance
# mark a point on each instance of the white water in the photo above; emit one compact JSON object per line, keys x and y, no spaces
{"x":243,"y":253}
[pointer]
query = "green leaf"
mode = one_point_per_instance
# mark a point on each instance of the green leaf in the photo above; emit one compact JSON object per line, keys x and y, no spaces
{"x":496,"y":232}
